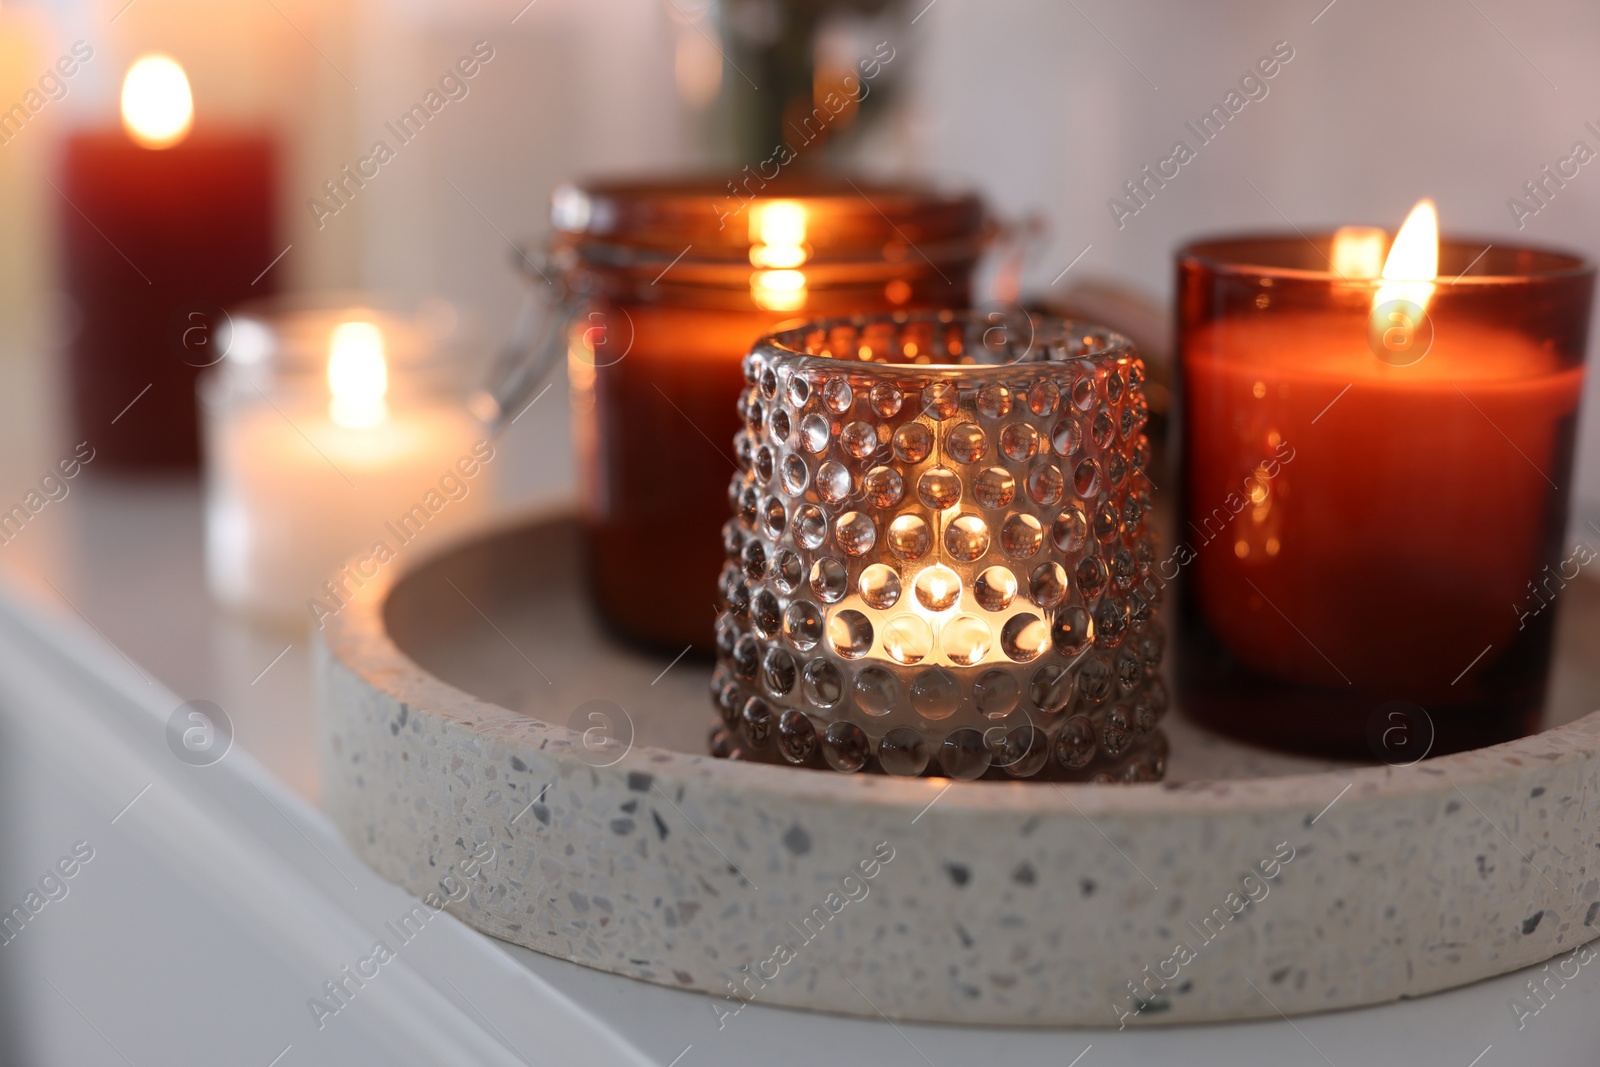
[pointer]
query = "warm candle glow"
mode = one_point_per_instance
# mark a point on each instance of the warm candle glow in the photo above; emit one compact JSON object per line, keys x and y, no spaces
{"x":781,"y":225}
{"x":157,"y":106}
{"x":1358,"y":251}
{"x":358,"y":376}
{"x":778,"y":240}
{"x":1413,"y":261}
{"x":938,"y":588}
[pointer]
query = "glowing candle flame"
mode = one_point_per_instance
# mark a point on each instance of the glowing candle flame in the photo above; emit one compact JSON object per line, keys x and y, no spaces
{"x":778,"y":241}
{"x":157,"y":106}
{"x":358,"y":376}
{"x":1413,"y":262}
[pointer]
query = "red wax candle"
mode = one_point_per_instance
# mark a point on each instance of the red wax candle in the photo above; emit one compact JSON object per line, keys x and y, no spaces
{"x":1365,"y":530}
{"x":162,"y":227}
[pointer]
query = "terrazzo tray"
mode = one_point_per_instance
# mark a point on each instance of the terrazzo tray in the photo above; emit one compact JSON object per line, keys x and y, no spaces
{"x":488,"y":748}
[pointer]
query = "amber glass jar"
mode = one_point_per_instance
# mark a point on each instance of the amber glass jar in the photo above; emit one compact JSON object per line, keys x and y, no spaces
{"x":667,"y":285}
{"x":1375,"y":492}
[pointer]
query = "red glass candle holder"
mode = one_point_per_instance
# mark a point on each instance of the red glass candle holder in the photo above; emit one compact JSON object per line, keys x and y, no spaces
{"x":1372,"y":499}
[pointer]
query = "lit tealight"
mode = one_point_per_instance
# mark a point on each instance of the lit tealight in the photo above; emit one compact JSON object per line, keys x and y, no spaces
{"x":358,"y":376}
{"x":157,"y":106}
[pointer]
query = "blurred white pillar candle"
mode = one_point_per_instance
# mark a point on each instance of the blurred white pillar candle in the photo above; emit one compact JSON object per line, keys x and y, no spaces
{"x":317,"y":481}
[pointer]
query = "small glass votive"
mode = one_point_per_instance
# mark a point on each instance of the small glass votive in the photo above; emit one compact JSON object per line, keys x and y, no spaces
{"x":936,"y":557}
{"x":1375,"y":487}
{"x":334,"y":435}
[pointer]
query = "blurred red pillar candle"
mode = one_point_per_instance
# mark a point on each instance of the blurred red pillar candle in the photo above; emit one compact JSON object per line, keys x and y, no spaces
{"x":163,"y":226}
{"x":1376,"y":483}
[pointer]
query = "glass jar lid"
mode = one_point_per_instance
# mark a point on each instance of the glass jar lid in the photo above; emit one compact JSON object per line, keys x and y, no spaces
{"x":719,"y":232}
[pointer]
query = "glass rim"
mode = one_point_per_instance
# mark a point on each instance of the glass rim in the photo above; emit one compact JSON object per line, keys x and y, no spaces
{"x":423,"y":334}
{"x":1047,"y":333}
{"x":1210,"y":252}
{"x":625,"y":217}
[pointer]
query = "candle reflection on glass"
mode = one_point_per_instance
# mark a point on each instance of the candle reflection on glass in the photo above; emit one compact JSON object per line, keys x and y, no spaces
{"x":778,"y":246}
{"x":327,"y":439}
{"x":1377,"y":464}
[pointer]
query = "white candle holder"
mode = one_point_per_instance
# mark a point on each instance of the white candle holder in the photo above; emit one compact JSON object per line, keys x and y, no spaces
{"x":335,"y":435}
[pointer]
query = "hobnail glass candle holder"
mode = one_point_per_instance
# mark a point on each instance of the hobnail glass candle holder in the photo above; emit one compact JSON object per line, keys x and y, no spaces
{"x":936,"y":558}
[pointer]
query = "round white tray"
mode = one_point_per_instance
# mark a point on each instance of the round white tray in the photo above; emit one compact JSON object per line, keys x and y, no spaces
{"x":1248,"y":884}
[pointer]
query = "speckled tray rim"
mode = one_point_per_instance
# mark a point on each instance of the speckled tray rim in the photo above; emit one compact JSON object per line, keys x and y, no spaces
{"x":355,"y":641}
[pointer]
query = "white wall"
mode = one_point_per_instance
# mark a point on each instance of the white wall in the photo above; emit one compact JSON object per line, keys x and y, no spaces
{"x":575,"y":87}
{"x":1381,"y":104}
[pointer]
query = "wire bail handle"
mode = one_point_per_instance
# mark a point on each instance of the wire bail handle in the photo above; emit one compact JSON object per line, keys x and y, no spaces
{"x":537,"y":340}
